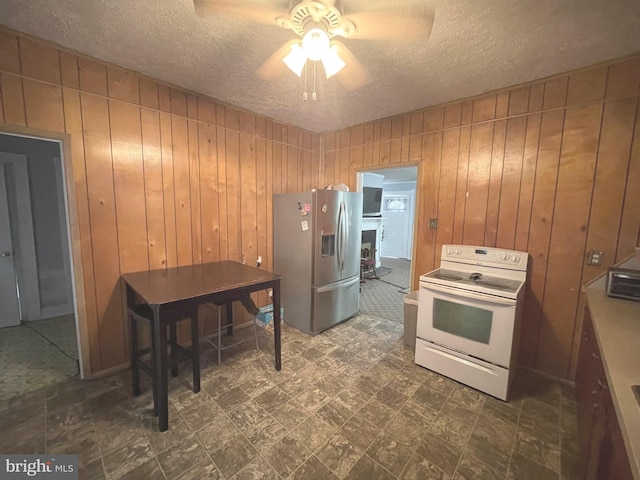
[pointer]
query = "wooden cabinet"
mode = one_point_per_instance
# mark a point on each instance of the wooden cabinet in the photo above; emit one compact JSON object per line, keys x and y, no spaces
{"x":602,"y":450}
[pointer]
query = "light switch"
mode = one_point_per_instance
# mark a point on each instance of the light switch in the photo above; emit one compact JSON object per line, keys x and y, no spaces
{"x":433,"y":223}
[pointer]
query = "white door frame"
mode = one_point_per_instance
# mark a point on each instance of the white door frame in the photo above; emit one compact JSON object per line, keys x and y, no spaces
{"x":22,"y":234}
{"x":73,"y":235}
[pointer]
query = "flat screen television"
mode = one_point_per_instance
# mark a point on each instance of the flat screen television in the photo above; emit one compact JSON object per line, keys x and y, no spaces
{"x":371,"y":201}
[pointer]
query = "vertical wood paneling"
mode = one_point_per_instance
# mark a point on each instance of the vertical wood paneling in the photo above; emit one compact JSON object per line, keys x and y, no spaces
{"x":461,"y":184}
{"x":153,"y":188}
{"x":177,"y":163}
{"x":478,"y":183}
{"x":495,"y":183}
{"x":233,"y":194}
{"x":540,"y":230}
{"x":527,"y":179}
{"x":93,"y":76}
{"x":503,"y":182}
{"x":43,"y":106}
{"x":447,"y":192}
{"x":12,"y":100}
{"x":249,"y":195}
{"x":569,"y":230}
{"x":123,"y":85}
{"x":428,"y":197}
{"x":630,"y":224}
{"x":39,"y":61}
{"x":222,"y":192}
{"x":610,"y":181}
{"x":73,"y":126}
{"x":181,"y":184}
{"x":9,"y":53}
{"x":161,"y":177}
{"x":194,"y":190}
{"x":168,"y":191}
{"x":209,"y":193}
{"x":511,"y":176}
{"x":102,"y":209}
{"x":69,"y":70}
{"x":128,"y":177}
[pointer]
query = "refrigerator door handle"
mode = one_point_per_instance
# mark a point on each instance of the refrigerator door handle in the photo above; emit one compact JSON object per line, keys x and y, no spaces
{"x":338,"y":286}
{"x":339,"y":238}
{"x":347,"y":233}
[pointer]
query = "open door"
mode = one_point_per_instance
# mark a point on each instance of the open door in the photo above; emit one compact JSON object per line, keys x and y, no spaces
{"x":9,"y":305}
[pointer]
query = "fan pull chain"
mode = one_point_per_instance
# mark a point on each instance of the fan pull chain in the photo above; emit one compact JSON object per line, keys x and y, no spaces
{"x":314,"y":96}
{"x":304,"y":95}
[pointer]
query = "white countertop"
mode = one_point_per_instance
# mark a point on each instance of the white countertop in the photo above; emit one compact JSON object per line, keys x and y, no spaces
{"x":617,"y":326}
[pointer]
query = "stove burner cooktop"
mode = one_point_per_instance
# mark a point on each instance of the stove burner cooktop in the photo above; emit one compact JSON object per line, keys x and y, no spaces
{"x":499,"y":286}
{"x":446,"y":276}
{"x":473,"y":280}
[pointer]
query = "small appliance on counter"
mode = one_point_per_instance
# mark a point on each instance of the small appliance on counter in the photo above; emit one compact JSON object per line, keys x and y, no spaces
{"x":623,"y":283}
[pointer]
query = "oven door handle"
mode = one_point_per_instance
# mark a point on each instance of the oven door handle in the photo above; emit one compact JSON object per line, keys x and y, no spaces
{"x":468,"y":294}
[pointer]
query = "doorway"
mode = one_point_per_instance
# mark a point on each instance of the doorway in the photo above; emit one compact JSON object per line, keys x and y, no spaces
{"x":38,"y":331}
{"x":390,"y":232}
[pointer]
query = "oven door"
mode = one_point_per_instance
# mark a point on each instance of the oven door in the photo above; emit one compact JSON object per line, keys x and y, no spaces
{"x":472,"y":323}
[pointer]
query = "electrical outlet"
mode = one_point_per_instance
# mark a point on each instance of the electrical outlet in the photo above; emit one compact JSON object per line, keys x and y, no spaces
{"x":433,"y":223}
{"x":594,"y":257}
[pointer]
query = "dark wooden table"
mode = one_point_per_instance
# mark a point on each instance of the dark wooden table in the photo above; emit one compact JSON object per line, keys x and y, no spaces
{"x":173,"y":290}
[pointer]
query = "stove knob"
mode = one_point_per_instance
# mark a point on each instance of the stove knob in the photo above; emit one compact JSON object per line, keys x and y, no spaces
{"x":449,"y":251}
{"x":516,"y":259}
{"x":458,"y":251}
{"x":505,"y":256}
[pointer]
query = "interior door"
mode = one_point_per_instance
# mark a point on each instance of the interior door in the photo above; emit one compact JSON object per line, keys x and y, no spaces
{"x":396,"y":208}
{"x":9,"y":309}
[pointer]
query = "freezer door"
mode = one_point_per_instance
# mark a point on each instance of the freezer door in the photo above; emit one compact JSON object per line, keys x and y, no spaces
{"x":353,"y":234}
{"x":326,"y":213}
{"x":334,"y":303}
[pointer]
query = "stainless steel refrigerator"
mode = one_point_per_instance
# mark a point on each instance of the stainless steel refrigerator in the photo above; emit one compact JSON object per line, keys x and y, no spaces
{"x":316,"y":243}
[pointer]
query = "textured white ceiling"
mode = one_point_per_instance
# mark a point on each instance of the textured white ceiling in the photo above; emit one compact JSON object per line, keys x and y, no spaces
{"x":475,"y":46}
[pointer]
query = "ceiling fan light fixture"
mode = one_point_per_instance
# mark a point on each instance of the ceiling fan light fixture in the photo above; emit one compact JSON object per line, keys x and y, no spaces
{"x":315,"y":44}
{"x":332,"y":62}
{"x":296,"y":59}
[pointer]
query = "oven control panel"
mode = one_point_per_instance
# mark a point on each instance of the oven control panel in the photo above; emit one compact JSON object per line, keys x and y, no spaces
{"x":511,"y":259}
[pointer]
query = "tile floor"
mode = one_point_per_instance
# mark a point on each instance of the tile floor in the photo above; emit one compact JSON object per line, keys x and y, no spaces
{"x":349,"y":403}
{"x":37,"y":354}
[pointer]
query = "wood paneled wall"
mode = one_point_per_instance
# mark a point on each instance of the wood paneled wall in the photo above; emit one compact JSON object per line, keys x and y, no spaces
{"x":162,"y":177}
{"x":551,"y":167}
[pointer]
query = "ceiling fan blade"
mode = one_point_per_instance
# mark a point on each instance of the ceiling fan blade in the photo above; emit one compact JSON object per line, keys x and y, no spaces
{"x":273,"y":67}
{"x":354,"y":74}
{"x":406,"y":24}
{"x":241,"y":10}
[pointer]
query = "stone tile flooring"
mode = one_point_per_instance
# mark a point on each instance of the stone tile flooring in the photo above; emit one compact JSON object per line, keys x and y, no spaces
{"x":36,"y":354}
{"x":349,"y":403}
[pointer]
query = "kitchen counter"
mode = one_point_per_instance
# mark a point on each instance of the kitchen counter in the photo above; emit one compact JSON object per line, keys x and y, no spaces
{"x":617,"y":327}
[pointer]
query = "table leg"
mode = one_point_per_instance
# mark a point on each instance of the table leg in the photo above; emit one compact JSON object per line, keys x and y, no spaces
{"x":133,"y":345}
{"x":173,"y":342}
{"x":160,"y":370}
{"x":229,"y":309}
{"x":276,"y":324}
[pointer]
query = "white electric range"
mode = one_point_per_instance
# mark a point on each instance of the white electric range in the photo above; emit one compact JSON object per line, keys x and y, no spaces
{"x":469,"y":313}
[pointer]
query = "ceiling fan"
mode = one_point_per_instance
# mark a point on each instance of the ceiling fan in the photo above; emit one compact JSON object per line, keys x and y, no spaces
{"x":316,"y":24}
